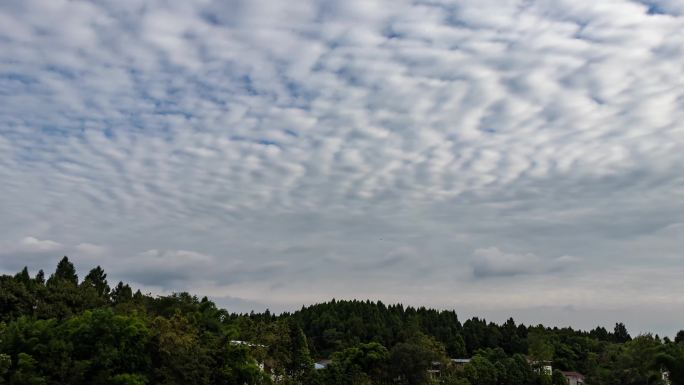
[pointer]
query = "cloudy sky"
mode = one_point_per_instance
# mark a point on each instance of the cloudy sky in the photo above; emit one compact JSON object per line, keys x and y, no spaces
{"x":501,"y":158}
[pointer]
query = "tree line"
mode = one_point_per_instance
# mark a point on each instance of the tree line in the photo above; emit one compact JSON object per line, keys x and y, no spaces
{"x":62,"y":330}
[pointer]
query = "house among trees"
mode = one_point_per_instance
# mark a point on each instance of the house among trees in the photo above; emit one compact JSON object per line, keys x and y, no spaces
{"x":574,"y":378}
{"x":435,"y":370}
{"x":459,"y":362}
{"x":541,"y":366}
{"x":321,"y":364}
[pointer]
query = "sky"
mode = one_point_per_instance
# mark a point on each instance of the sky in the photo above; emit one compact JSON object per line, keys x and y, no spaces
{"x":500,"y":158}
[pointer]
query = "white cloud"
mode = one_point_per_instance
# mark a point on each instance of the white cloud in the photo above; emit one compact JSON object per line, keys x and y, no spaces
{"x":346,"y":130}
{"x":175,"y":258}
{"x":31,"y":244}
{"x":90,"y":250}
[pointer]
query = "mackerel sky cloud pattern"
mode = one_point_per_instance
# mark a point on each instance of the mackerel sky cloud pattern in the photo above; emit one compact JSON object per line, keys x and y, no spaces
{"x":496,"y":157}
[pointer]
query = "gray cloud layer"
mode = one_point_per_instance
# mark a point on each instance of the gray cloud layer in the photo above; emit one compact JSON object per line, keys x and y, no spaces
{"x":492,"y":156}
{"x":492,"y":262}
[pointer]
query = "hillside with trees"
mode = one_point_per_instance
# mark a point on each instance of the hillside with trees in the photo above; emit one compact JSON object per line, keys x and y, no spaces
{"x":62,"y":330}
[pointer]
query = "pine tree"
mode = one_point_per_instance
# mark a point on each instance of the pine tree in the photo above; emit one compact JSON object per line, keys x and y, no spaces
{"x":301,"y":364}
{"x":40,"y":277}
{"x":121,"y":293}
{"x":23,"y":276}
{"x":65,"y":272}
{"x":97,"y":279}
{"x":679,"y":338}
{"x":620,"y":333}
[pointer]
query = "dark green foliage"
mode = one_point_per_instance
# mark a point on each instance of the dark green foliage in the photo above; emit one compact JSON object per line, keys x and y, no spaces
{"x":65,"y":272}
{"x":70,"y":333}
{"x":509,"y":370}
{"x":85,"y":349}
{"x":5,"y":364}
{"x":540,"y":347}
{"x":600,"y":333}
{"x":620,"y":334}
{"x":121,"y":294}
{"x":557,"y":378}
{"x":128,"y":379}
{"x":66,"y":333}
{"x":481,"y":371}
{"x":671,"y":359}
{"x":679,"y":338}
{"x":15,"y":298}
{"x":97,"y":280}
{"x":411,"y":360}
{"x":300,"y":364}
{"x":364,"y":363}
{"x":26,"y":372}
{"x":23,"y":277}
{"x":337,"y":325}
{"x":178,"y":356}
{"x":40,"y":277}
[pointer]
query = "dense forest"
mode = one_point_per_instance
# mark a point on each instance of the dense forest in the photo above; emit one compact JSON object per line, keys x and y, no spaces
{"x":61,"y":330}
